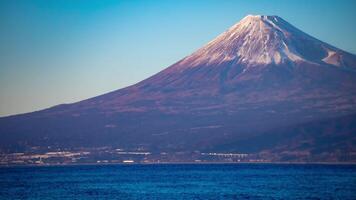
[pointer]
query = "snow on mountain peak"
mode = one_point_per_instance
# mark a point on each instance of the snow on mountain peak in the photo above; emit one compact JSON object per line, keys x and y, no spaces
{"x":261,"y":39}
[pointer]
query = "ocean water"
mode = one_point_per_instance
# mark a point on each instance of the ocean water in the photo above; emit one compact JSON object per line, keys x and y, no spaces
{"x":180,"y":181}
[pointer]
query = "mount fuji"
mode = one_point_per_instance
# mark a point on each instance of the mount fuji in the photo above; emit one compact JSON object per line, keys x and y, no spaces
{"x":262,"y":86}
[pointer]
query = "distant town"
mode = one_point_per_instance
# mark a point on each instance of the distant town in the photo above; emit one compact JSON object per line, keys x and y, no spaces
{"x":108,"y":155}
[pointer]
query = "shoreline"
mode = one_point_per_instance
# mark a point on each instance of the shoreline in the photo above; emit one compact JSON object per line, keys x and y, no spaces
{"x":181,"y":163}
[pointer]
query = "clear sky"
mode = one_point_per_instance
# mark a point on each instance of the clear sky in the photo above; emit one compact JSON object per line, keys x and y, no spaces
{"x":58,"y":51}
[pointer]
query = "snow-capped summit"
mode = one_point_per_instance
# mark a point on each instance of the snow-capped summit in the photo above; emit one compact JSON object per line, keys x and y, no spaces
{"x":262,"y":39}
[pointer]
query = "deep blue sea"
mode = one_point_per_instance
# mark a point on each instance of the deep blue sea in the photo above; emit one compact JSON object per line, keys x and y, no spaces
{"x":180,"y":181}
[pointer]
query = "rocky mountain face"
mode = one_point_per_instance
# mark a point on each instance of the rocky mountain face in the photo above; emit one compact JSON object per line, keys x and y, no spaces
{"x":261,"y":79}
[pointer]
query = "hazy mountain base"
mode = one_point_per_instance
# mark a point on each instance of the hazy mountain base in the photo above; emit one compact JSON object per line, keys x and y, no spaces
{"x":330,"y":140}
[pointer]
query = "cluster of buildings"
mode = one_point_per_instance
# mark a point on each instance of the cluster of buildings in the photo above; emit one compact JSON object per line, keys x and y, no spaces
{"x":107,"y":155}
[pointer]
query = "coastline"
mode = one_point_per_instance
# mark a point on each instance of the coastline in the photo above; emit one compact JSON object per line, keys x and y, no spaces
{"x":181,"y":163}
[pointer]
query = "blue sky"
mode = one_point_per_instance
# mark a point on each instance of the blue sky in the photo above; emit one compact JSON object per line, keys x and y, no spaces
{"x":57,"y":51}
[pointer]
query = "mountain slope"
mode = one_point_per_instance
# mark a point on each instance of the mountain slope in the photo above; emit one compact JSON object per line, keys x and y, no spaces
{"x":260,"y":75}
